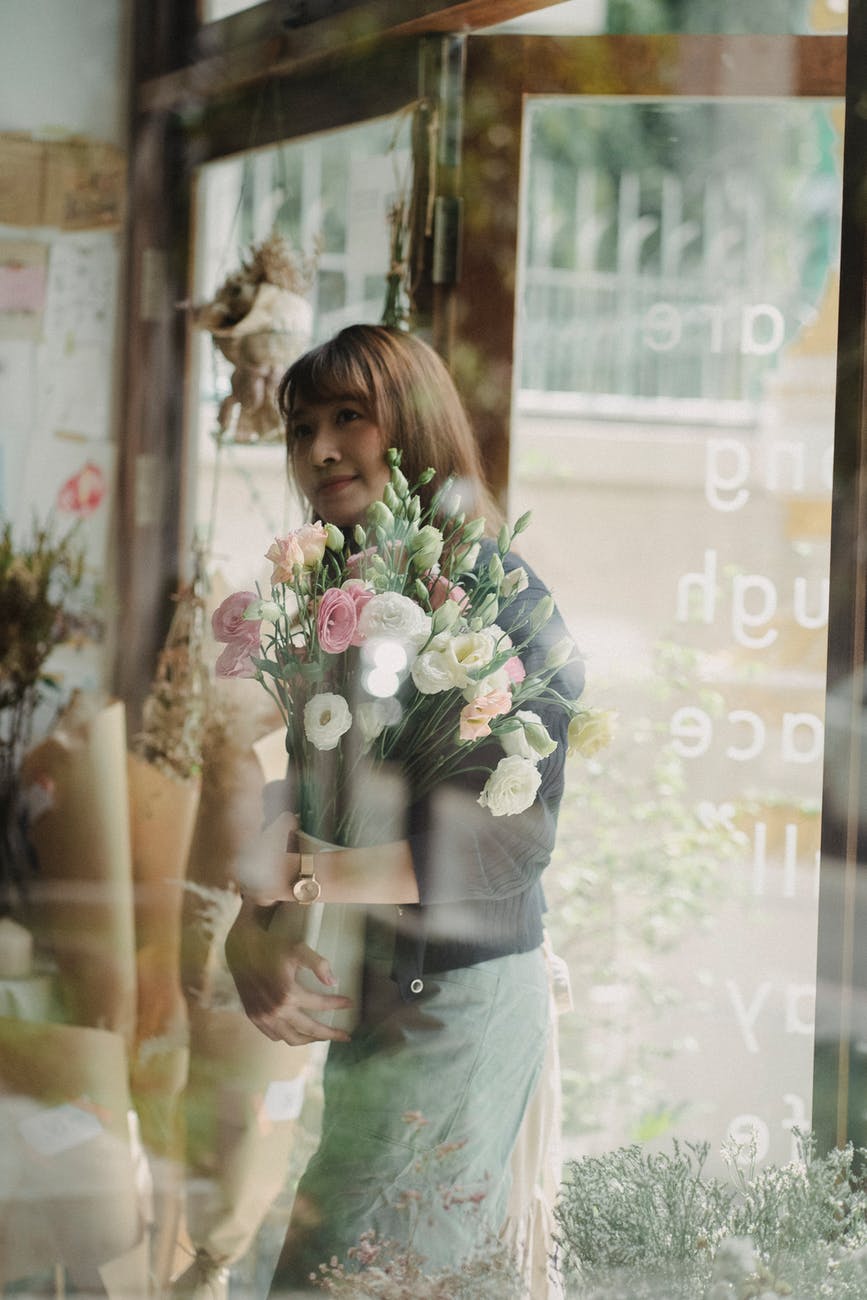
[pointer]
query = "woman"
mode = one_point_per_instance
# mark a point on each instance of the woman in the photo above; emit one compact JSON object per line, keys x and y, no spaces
{"x":424,"y":1101}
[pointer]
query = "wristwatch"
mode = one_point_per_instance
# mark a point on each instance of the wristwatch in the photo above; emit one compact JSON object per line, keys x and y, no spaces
{"x":306,"y":889}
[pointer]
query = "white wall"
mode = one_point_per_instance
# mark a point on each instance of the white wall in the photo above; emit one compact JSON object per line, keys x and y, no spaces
{"x":62,"y":67}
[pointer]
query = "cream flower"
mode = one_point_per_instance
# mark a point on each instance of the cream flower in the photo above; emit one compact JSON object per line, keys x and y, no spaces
{"x":511,"y":787}
{"x":326,"y":719}
{"x":467,"y":652}
{"x":590,"y":731}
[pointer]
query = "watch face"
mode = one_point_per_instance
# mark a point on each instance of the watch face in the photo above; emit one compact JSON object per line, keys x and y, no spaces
{"x":306,"y":890}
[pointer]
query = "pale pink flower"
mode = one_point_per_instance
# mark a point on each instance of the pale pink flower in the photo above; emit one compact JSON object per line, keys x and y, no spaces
{"x":312,"y":538}
{"x":235,"y":660}
{"x":336,"y":620}
{"x":286,"y":556}
{"x":356,"y":561}
{"x":441,"y":590}
{"x":476,"y":716}
{"x":515,"y":670}
{"x":228,"y":622}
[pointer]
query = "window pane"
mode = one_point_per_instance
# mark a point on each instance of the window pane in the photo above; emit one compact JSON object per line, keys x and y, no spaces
{"x":593,"y":17}
{"x":330,"y":196}
{"x":674,"y":430}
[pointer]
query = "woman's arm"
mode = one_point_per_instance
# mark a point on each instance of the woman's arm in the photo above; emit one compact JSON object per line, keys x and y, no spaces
{"x":380,"y":873}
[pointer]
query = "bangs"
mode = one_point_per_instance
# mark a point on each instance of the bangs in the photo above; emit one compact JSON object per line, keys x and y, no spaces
{"x":326,"y":374}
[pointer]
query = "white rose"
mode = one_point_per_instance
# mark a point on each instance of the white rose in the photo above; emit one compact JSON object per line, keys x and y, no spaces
{"x":326,"y":719}
{"x":394,"y":617}
{"x":373,"y":716}
{"x":511,"y":787}
{"x":433,"y":671}
{"x":466,"y":652}
{"x":520,"y":741}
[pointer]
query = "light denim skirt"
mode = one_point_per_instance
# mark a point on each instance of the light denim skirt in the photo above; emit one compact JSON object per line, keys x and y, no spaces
{"x":421,"y":1112}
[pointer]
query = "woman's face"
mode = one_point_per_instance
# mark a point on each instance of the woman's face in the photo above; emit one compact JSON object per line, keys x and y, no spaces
{"x":338,"y":457}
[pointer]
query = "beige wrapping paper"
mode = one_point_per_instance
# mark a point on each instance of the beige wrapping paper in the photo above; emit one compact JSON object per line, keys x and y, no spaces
{"x":67,"y":1182}
{"x":163,"y":810}
{"x":82,"y":897}
{"x":243,"y":1091}
{"x":243,"y":1100}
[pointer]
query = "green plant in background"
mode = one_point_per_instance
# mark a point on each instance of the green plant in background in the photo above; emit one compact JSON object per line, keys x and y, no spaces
{"x":637,"y":868}
{"x":635,"y":1223}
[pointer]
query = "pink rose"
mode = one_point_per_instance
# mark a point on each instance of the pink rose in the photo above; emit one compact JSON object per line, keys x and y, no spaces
{"x":235,"y":660}
{"x":228,"y":620}
{"x":336,"y":620}
{"x":441,"y":590}
{"x":476,"y":715}
{"x":360,"y":594}
{"x":286,"y":555}
{"x":515,"y":670}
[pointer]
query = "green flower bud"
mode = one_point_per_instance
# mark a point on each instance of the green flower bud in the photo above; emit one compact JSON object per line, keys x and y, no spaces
{"x":426,"y":547}
{"x":496,"y":572}
{"x":392,"y":457}
{"x":379,"y":516}
{"x":391,"y":499}
{"x":486,"y":612}
{"x":398,"y":482}
{"x":334,"y":538}
{"x":541,"y":614}
{"x":445,"y":617}
{"x":425,"y":476}
{"x":473,"y":531}
{"x":560,"y":653}
{"x":504,"y":539}
{"x":538,"y":739}
{"x":360,"y":535}
{"x":522,"y":523}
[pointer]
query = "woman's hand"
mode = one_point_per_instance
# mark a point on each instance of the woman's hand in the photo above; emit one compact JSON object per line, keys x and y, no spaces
{"x":266,"y":962}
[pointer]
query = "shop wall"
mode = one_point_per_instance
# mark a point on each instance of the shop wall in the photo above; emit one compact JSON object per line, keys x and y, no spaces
{"x":62,"y":187}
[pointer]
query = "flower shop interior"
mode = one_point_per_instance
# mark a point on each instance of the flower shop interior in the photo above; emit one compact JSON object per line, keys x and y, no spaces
{"x":636,"y":231}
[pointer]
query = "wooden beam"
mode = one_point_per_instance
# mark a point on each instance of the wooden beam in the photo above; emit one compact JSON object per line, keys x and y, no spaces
{"x":249,"y":47}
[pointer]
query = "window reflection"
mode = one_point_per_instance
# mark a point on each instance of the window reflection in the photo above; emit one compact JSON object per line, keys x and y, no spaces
{"x":674,"y":430}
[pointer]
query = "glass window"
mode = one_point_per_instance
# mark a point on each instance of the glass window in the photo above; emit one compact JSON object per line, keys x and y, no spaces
{"x":330,"y":196}
{"x":673,"y":429}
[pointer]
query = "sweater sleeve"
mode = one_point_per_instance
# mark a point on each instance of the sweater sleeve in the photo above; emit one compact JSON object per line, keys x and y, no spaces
{"x":460,"y":850}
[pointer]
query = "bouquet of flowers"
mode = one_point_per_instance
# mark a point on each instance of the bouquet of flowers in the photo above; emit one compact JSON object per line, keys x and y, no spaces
{"x":384,"y":655}
{"x":390,"y":649}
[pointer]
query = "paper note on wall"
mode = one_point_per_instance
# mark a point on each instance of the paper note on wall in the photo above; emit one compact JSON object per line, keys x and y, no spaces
{"x":23,"y":267}
{"x":77,"y":355}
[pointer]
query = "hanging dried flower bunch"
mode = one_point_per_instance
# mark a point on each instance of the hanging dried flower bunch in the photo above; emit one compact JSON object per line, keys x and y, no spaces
{"x":261,"y":321}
